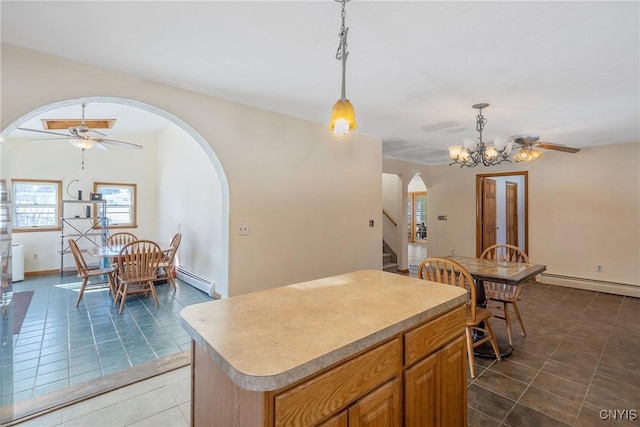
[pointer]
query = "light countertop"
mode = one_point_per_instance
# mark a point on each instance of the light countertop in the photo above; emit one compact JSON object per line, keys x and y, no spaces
{"x":269,"y":339}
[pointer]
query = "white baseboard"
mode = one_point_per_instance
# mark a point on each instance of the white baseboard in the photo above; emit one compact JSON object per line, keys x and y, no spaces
{"x":591,"y":285}
{"x":196,"y":281}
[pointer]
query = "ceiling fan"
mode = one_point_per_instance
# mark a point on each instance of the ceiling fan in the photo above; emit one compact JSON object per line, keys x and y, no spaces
{"x":529,"y":141}
{"x":83,"y":137}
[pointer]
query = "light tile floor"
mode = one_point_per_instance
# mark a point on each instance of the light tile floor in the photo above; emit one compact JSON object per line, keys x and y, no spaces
{"x":60,"y":344}
{"x":160,"y":401}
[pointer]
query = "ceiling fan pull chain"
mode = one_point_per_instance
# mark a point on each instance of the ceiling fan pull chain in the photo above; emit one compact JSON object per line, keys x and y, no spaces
{"x":83,"y":159}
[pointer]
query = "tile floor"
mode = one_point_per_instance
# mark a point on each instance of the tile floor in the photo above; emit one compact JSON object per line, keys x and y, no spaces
{"x":581,"y":357}
{"x":60,"y":344}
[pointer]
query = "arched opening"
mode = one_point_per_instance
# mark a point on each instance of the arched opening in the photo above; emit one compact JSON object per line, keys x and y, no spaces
{"x":181,"y":200}
{"x":417,"y":210}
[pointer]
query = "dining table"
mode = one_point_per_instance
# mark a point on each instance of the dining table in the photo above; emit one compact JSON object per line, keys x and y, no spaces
{"x":499,"y":271}
{"x":113,"y":251}
{"x":109,"y":252}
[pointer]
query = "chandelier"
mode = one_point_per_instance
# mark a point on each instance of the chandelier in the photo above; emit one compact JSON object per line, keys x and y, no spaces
{"x":343,"y":117}
{"x":473,"y":153}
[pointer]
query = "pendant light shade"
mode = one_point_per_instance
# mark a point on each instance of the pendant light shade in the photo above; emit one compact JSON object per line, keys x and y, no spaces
{"x":343,"y":117}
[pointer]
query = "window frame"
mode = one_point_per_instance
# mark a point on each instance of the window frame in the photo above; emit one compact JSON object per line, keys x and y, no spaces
{"x":58,"y":205}
{"x":134,"y":205}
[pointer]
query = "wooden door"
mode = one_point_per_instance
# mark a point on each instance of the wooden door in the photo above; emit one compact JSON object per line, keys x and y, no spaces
{"x":512,"y":213}
{"x":380,"y":408}
{"x":422,"y":391}
{"x":488,"y":213}
{"x":522,"y":203}
{"x":453,"y":374}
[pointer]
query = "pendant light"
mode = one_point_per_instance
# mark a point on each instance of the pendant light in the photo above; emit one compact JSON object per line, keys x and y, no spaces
{"x":343,"y":117}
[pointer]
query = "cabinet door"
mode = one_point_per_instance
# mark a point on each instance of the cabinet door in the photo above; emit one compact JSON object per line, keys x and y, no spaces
{"x":380,"y":408}
{"x":435,"y":388}
{"x":339,"y":420}
{"x":422,"y":393}
{"x":453,"y":374}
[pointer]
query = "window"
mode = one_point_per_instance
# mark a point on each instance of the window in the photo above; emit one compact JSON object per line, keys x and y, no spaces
{"x":36,"y":205}
{"x":121,"y":203}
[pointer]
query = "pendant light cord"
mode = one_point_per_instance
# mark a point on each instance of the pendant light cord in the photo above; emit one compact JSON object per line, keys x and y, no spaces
{"x":342,"y":53}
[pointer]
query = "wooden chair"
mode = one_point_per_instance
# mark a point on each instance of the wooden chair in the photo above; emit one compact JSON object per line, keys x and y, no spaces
{"x":86,"y":273}
{"x":121,"y":238}
{"x":502,"y":294}
{"x":446,"y":271}
{"x":168,"y":261}
{"x":137,"y":269}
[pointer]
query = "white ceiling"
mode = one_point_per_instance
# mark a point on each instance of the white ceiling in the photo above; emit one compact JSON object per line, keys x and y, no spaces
{"x":569,"y":71}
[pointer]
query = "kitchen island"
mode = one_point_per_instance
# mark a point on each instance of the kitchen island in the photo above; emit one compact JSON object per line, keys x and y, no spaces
{"x":347,"y":350}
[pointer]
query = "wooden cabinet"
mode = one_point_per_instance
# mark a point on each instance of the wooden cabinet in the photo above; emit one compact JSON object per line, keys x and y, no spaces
{"x":380,"y":408}
{"x":438,"y":382}
{"x":416,"y":378}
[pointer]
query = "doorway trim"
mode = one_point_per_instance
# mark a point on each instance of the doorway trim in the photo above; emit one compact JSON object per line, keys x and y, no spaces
{"x":479,"y":208}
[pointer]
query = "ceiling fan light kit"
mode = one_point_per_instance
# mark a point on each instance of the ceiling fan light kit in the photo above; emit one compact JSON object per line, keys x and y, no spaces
{"x":83,"y":137}
{"x":343,"y":116}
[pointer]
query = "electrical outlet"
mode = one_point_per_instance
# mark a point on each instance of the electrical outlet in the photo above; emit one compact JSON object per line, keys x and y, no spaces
{"x":35,"y":256}
{"x":599,"y":268}
{"x":243,"y":229}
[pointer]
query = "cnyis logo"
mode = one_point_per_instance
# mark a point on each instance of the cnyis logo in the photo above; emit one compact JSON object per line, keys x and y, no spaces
{"x":619,"y":414}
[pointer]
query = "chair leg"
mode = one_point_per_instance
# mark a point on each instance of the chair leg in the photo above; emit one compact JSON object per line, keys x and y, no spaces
{"x":84,"y":285}
{"x":112,"y":285}
{"x":515,"y":308}
{"x":153,"y":292}
{"x":508,"y":320}
{"x":123,"y":295}
{"x":171,"y":280}
{"x":472,"y":368}
{"x":492,"y":340}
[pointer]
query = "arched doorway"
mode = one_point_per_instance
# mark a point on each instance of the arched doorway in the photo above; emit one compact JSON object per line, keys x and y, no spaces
{"x":173,"y":177}
{"x":417,"y":211}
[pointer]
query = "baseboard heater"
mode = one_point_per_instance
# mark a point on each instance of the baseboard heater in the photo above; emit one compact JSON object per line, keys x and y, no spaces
{"x":591,"y":284}
{"x":196,"y":281}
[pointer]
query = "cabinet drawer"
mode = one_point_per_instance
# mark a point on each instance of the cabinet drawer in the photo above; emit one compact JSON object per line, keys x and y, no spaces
{"x":328,"y":393}
{"x":429,"y":337}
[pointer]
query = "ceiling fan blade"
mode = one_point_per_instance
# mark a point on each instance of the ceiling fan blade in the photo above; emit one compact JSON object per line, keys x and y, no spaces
{"x":101,"y":147}
{"x":119,"y":143}
{"x":525,"y":139}
{"x":557,"y":147}
{"x":50,"y":139}
{"x":47,"y":131}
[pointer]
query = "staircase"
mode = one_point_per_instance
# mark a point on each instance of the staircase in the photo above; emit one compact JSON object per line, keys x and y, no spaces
{"x":389,"y":259}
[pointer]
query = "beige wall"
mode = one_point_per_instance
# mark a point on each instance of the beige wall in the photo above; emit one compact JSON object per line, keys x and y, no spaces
{"x":584,"y":210}
{"x":190,"y":202}
{"x":307,"y":194}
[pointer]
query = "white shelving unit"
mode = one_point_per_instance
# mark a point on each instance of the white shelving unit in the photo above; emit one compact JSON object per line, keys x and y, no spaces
{"x":86,"y":230}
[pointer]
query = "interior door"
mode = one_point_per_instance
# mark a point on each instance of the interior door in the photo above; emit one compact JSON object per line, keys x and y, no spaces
{"x":489,"y":217}
{"x":496,"y":208}
{"x":512,"y":212}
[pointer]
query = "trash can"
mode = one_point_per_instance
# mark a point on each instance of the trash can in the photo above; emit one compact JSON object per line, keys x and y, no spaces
{"x":17,"y":262}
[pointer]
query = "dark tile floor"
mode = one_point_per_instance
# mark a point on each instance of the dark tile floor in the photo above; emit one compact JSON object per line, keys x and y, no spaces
{"x":579,"y":361}
{"x":60,"y":344}
{"x":577,"y":366}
